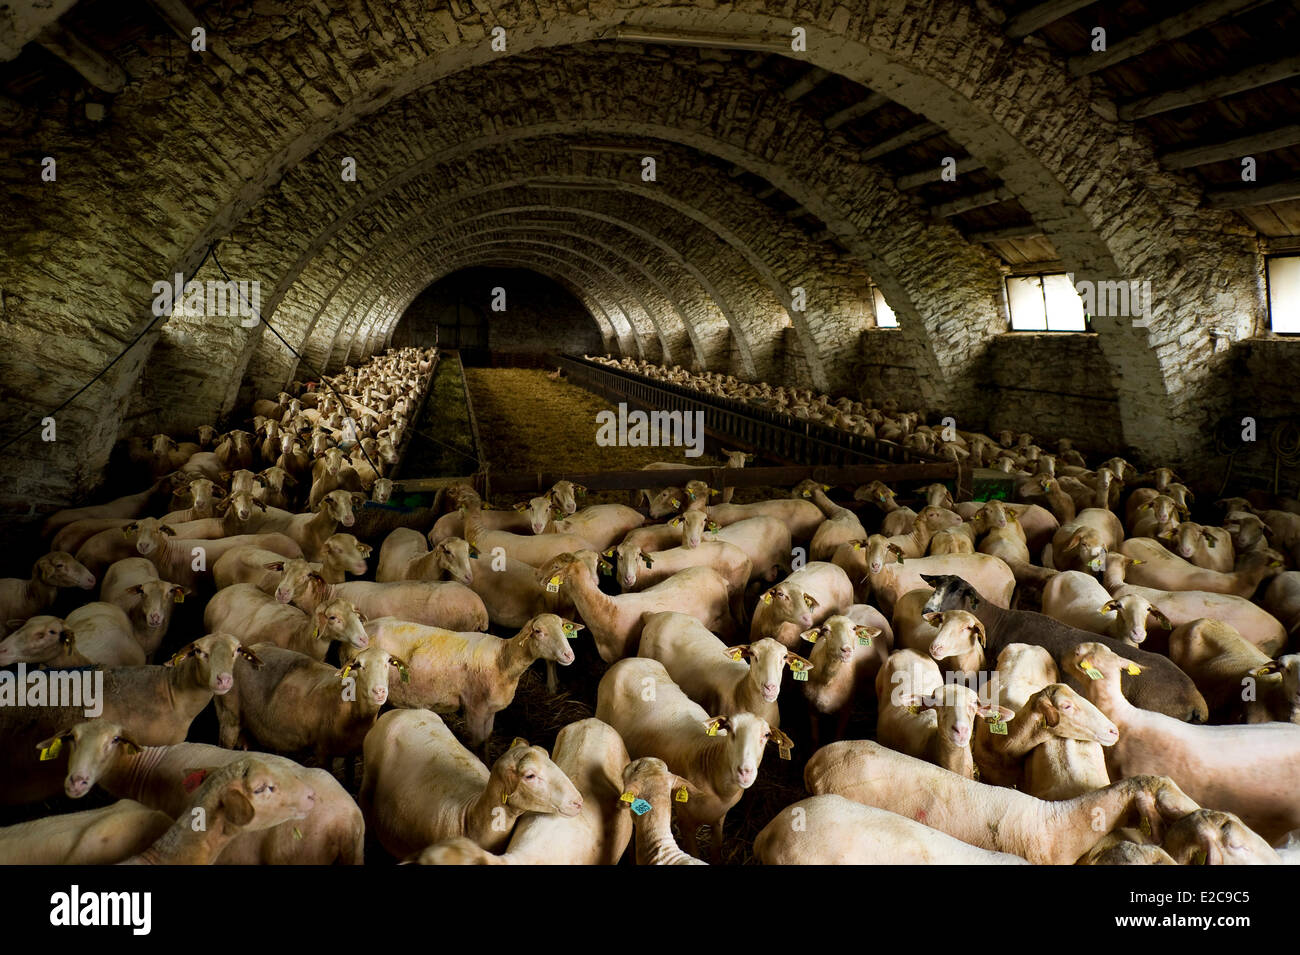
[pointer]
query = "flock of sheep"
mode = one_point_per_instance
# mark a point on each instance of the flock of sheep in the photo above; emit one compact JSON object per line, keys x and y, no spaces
{"x":1147,"y":715}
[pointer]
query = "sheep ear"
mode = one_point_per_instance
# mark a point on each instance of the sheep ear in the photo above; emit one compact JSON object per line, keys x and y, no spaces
{"x":717,"y":725}
{"x":50,"y":748}
{"x":1110,"y":606}
{"x":796,"y":662}
{"x":251,"y":657}
{"x":134,"y":589}
{"x":403,"y":670}
{"x":738,"y":652}
{"x":1161,"y":618}
{"x":784,"y":743}
{"x":1051,"y":716}
{"x":236,"y":808}
{"x":521,"y":506}
{"x":979,"y":633}
{"x":276,"y":565}
{"x":934,"y":618}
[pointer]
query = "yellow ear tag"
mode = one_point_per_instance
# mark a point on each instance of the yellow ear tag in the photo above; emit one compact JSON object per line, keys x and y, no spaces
{"x":570,"y":631}
{"x":1145,"y":826}
{"x":51,"y":751}
{"x":913,"y":709}
{"x":1092,"y":671}
{"x":518,"y":741}
{"x":736,"y":653}
{"x":784,"y":749}
{"x":180,"y":597}
{"x":712,"y":730}
{"x":676,"y":503}
{"x":627,"y":797}
{"x":681,"y":795}
{"x":297,"y":833}
{"x":343,"y":674}
{"x":767,"y":598}
{"x":1198,"y":857}
{"x":553,"y":585}
{"x":1133,"y":669}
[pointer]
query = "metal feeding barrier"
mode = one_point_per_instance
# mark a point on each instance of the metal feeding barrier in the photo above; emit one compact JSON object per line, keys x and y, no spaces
{"x":773,"y":434}
{"x":803,"y":449}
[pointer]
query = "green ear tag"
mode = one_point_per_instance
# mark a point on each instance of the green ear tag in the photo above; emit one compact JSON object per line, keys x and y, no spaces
{"x":800,"y":675}
{"x":997,"y":727}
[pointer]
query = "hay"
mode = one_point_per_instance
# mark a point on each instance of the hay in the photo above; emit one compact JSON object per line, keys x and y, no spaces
{"x":529,"y":423}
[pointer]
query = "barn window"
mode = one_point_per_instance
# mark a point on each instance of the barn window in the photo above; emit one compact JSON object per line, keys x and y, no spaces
{"x":1044,"y":303}
{"x":1284,"y":294}
{"x":885,"y":317}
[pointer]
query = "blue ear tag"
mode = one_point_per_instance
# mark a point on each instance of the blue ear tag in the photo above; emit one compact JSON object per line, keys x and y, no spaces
{"x":640,"y":807}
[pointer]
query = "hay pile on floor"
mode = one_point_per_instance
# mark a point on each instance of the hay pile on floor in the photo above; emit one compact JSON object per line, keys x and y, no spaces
{"x":530,"y":423}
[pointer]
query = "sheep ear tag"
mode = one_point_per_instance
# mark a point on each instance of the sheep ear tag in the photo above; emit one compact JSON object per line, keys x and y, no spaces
{"x":681,"y":795}
{"x":1087,"y":667}
{"x":180,"y":597}
{"x":52,"y":751}
{"x":640,"y":806}
{"x":627,"y":798}
{"x":997,"y":726}
{"x":736,"y":653}
{"x":570,"y":631}
{"x":864,"y":638}
{"x":1132,"y":669}
{"x":194,"y":780}
{"x":553,"y":585}
{"x":798,"y":670}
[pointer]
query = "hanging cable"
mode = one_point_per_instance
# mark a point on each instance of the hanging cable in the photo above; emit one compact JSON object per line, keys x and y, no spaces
{"x":103,"y":371}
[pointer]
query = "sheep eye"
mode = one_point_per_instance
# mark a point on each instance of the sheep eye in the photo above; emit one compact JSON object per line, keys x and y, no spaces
{"x":530,"y":775}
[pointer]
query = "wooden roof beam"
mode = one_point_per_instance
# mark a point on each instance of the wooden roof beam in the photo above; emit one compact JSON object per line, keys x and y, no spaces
{"x":1167,"y":30}
{"x":989,"y":197}
{"x":1247,"y":145}
{"x":1040,"y":15}
{"x":912,"y":180}
{"x":857,"y":110}
{"x":98,"y":69}
{"x":178,"y":16}
{"x":906,"y":138}
{"x":1252,"y":77}
{"x":1244,"y":198}
{"x":805,"y":84}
